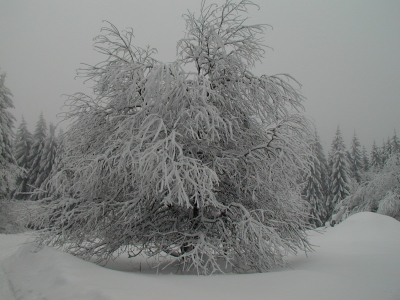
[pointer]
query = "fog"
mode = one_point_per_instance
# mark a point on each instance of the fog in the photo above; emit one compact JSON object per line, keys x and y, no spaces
{"x":344,"y":53}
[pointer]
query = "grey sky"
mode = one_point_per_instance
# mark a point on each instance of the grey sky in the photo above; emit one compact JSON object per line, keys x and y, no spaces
{"x":345,"y":53}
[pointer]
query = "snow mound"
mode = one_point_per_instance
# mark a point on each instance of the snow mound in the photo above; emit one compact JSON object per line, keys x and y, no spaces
{"x":50,"y":274}
{"x":367,"y":226}
{"x":357,"y":259}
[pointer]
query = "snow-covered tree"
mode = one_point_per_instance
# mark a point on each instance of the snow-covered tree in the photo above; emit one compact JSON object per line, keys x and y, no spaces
{"x":365,"y":160}
{"x":395,"y":144}
{"x":6,"y":123}
{"x":52,"y":162}
{"x":8,"y":168}
{"x":47,"y":160}
{"x":36,"y":152}
{"x":313,"y":192}
{"x":390,"y":205}
{"x":339,"y":178}
{"x":319,"y":150}
{"x":356,"y":164}
{"x":388,"y":147}
{"x":199,"y":165}
{"x":375,"y":161}
{"x":23,"y":143}
{"x":60,"y":133}
{"x":384,"y":153}
{"x":381,"y":194}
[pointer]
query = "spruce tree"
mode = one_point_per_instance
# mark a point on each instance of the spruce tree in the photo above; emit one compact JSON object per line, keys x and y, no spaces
{"x":356,"y":164}
{"x":339,"y":179}
{"x":348,"y":157}
{"x":319,"y":151}
{"x":23,"y":145}
{"x":58,"y":162}
{"x":7,"y":159}
{"x":47,"y":160}
{"x":395,"y":144}
{"x":365,"y":160}
{"x":313,"y":192}
{"x":36,"y":152}
{"x":383,"y":153}
{"x":375,"y":161}
{"x":388,"y":148}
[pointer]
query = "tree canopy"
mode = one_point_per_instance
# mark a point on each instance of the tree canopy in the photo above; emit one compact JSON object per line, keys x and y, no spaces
{"x":198,"y":159}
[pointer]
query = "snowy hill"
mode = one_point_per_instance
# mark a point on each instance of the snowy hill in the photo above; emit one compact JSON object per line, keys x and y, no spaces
{"x":357,"y":259}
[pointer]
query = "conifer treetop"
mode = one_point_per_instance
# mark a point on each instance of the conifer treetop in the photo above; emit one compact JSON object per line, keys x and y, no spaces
{"x":339,"y":181}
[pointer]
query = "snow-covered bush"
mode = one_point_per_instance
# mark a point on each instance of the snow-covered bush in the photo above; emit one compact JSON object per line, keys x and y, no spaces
{"x":380,"y":193}
{"x":202,"y":165}
{"x":390,"y":205}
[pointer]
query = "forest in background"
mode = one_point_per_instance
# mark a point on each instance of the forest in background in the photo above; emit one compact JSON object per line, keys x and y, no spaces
{"x":343,"y":173}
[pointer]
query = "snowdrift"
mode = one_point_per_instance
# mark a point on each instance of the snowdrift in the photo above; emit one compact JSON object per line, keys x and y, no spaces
{"x":357,"y":259}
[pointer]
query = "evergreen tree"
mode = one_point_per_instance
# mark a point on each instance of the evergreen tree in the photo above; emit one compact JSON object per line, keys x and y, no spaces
{"x":23,"y":145}
{"x":339,"y":180}
{"x":7,"y":161}
{"x":348,"y":157}
{"x":395,"y":144}
{"x":47,"y":160}
{"x":381,"y":192}
{"x":319,"y":151}
{"x":356,"y":164}
{"x":6,"y":124}
{"x":36,"y":152}
{"x":388,"y":148}
{"x":375,"y":161}
{"x":365,"y":160}
{"x":383,"y":154}
{"x":313,"y":192}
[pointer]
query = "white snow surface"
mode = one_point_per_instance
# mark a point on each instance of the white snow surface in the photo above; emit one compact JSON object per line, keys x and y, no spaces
{"x":357,"y":259}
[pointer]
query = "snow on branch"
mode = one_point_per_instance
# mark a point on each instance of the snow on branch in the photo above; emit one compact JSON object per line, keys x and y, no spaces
{"x":202,"y":167}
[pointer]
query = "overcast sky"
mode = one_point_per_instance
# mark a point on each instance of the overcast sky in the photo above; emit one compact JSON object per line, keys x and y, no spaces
{"x":346,"y":53}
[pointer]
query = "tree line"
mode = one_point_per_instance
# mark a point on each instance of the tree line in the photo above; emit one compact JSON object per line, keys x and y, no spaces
{"x":26,"y":159}
{"x":35,"y":154}
{"x":332,"y":182}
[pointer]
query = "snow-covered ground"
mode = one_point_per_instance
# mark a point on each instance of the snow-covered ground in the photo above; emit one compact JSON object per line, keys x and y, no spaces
{"x":357,"y":259}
